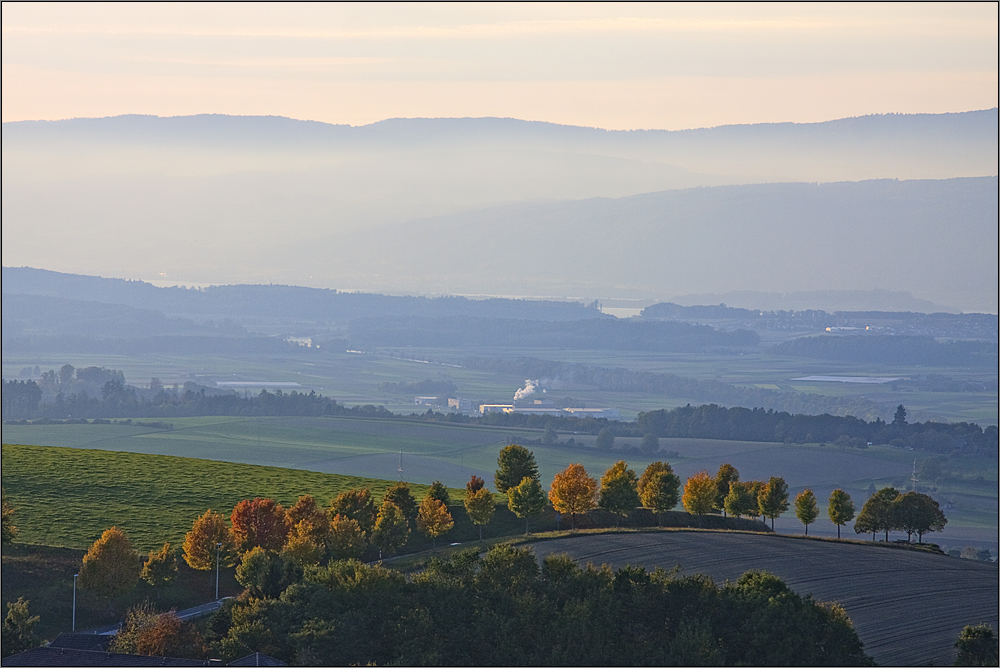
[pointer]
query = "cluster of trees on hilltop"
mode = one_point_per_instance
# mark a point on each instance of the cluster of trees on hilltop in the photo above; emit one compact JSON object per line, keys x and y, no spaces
{"x":593,"y":333}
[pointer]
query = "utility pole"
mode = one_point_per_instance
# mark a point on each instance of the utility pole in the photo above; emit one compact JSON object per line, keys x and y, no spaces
{"x":74,"y":601}
{"x":400,"y":469}
{"x":913,"y":478}
{"x":218,"y":548}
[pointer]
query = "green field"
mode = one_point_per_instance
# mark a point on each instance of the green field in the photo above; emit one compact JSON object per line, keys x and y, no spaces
{"x":369,"y":449}
{"x":67,"y":496}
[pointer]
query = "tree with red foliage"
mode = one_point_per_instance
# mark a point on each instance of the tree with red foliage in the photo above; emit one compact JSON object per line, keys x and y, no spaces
{"x":474,"y":485}
{"x":259,"y":523}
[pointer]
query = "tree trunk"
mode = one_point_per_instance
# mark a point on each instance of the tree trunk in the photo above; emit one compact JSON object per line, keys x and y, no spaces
{"x":480,"y":533}
{"x":807,"y":529}
{"x":838,"y":532}
{"x":525,"y":525}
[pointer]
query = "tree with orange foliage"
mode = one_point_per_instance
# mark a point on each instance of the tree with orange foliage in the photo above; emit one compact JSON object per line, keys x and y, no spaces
{"x":201,"y":542}
{"x":111,"y":565}
{"x":259,"y":523}
{"x":474,"y":485}
{"x":573,"y":492}
{"x":700,"y":491}
{"x":147,"y":632}
{"x":433,"y":518}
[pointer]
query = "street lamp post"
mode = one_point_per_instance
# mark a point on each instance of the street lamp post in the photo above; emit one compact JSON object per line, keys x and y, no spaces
{"x":75,"y":576}
{"x":218,"y":547}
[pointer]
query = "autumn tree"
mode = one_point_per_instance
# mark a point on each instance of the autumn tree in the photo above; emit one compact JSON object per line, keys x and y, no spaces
{"x":841,"y":509}
{"x":878,"y":513}
{"x":18,"y":633}
{"x":805,"y":508}
{"x":359,"y":505}
{"x":391,"y":528}
{"x":573,"y":492}
{"x":146,"y":632}
{"x":160,"y":567}
{"x":400,"y":496}
{"x":305,"y":546}
{"x":773,"y":498}
{"x":699,"y":494}
{"x":307,"y":513}
{"x":725,"y":477}
{"x":514,"y":464}
{"x":618,"y":493}
{"x":347,"y":540}
{"x":201,"y":541}
{"x":474,"y":485}
{"x":741,"y":499}
{"x":661,"y":493}
{"x":7,"y":528}
{"x":433,"y":518}
{"x":440,"y":492}
{"x":918,"y":513}
{"x":259,"y":523}
{"x":605,"y":439}
{"x":111,"y":566}
{"x":526,"y":499}
{"x":480,"y":506}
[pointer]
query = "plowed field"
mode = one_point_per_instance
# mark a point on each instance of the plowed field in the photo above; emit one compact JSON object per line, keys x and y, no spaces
{"x":908,"y":607}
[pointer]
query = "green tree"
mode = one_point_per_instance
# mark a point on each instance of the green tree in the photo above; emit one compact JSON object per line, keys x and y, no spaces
{"x":400,"y":496}
{"x":699,"y":494}
{"x":391,"y":528}
{"x":878,"y":513}
{"x":773,"y":499}
{"x":661,"y":493}
{"x":358,"y":505}
{"x":725,"y":477}
{"x":899,"y":419}
{"x":650,"y":445}
{"x":651,"y":470}
{"x":841,"y":509}
{"x":805,"y":508}
{"x":19,"y":628}
{"x":549,"y":436}
{"x":917,"y":513}
{"x":440,"y":492}
{"x":265,"y":574}
{"x":977,"y":646}
{"x":605,"y":439}
{"x":480,"y":506}
{"x":741,"y":499}
{"x":514,"y":464}
{"x":526,"y":499}
{"x":618,"y":493}
{"x":433,"y":518}
{"x":111,"y":566}
{"x":161,"y":567}
{"x":9,"y":531}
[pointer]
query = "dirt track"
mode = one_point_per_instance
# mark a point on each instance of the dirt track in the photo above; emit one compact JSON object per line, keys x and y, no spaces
{"x":908,"y":607}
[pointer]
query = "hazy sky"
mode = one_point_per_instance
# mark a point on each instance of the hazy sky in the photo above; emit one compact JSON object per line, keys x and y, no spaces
{"x":616,"y":66}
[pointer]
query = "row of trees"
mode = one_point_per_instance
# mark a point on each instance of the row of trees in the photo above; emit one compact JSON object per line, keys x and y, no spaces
{"x":620,"y":491}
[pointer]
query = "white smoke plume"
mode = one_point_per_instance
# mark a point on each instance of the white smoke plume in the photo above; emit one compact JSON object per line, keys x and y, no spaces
{"x":529,"y":388}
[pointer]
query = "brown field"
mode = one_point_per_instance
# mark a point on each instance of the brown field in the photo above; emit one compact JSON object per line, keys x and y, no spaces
{"x":908,"y":607}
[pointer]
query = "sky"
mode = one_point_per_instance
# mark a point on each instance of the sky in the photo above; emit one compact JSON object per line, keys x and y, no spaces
{"x":616,"y":66}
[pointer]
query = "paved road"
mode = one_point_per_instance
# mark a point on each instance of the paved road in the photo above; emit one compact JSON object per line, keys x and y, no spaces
{"x":908,"y":607}
{"x":190,"y":613}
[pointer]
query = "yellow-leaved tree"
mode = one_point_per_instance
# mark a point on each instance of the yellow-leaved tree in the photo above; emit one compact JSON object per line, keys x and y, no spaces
{"x":573,"y":491}
{"x":111,"y":566}
{"x":203,"y":539}
{"x":700,"y":491}
{"x":433,"y":518}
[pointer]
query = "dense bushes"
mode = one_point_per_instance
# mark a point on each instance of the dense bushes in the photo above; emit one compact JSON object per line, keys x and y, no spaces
{"x":505,"y":609}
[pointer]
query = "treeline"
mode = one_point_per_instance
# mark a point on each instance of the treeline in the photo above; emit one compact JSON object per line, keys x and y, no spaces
{"x":592,"y":333}
{"x":667,"y":384}
{"x":179,"y":344}
{"x":884,"y":349}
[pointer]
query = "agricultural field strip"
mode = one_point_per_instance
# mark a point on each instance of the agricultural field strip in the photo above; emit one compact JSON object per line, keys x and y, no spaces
{"x":884,"y":618}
